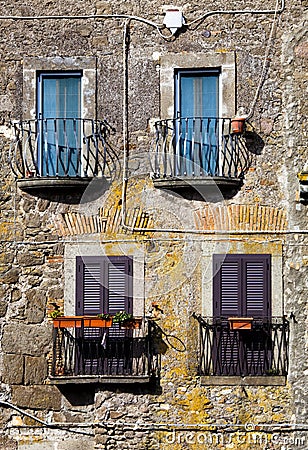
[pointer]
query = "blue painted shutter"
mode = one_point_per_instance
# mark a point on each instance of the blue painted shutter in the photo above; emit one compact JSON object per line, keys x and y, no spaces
{"x":59,"y":104}
{"x":197,"y":104}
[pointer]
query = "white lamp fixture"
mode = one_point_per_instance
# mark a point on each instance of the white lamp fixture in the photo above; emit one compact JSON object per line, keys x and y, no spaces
{"x":174,"y":19}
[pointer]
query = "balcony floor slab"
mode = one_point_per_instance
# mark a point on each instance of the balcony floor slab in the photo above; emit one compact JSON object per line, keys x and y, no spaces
{"x":55,"y":183}
{"x":212,"y":380}
{"x":99,"y":379}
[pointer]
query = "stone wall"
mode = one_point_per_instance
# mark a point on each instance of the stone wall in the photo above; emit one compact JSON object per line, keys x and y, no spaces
{"x":36,"y":231}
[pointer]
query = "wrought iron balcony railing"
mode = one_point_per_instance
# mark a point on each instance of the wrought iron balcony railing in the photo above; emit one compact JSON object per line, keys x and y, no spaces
{"x":83,"y":351}
{"x":259,"y":351}
{"x":199,"y":147}
{"x":61,"y":147}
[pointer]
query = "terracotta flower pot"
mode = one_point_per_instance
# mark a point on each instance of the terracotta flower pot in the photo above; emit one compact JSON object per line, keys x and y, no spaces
{"x":237,"y":125}
{"x":240,"y":323}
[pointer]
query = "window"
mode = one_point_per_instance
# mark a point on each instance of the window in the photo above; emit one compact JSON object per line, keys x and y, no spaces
{"x":59,"y":113}
{"x":241,"y":288}
{"x":103,"y":285}
{"x":242,"y":285}
{"x":197,"y":93}
{"x":197,"y":107}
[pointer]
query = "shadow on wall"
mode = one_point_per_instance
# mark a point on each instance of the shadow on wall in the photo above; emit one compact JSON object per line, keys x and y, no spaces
{"x":254,"y":143}
{"x":84,"y":395}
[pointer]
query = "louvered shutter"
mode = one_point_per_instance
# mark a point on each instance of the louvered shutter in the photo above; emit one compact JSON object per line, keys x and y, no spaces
{"x":241,"y":287}
{"x":227,"y":285}
{"x":89,"y":286}
{"x":256,"y":279}
{"x":119,"y":281}
{"x":103,"y":285}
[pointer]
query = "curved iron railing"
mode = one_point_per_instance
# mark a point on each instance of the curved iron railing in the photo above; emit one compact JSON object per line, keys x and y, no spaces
{"x":261,"y":351}
{"x":198,"y":147}
{"x":61,"y":147}
{"x":82,"y":351}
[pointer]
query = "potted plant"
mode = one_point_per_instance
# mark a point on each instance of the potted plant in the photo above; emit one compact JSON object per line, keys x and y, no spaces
{"x":240,"y":323}
{"x":127,"y":320}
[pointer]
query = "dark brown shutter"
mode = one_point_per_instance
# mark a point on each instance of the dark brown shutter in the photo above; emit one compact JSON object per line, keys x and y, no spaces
{"x":227,"y":285}
{"x":103,"y":285}
{"x":256,"y":279}
{"x":89,"y":286}
{"x":119,"y":281}
{"x":241,"y":285}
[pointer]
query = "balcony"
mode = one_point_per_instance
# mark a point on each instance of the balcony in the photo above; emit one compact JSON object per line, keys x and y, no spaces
{"x":258,"y":351}
{"x":198,"y":153}
{"x":60,"y":153}
{"x":86,"y":352}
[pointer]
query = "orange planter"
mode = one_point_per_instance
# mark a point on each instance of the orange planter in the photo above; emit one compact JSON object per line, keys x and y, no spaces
{"x":81,"y":321}
{"x":96,"y":322}
{"x":240,"y":323}
{"x":68,"y":322}
{"x":131,"y":324}
{"x":237,"y":125}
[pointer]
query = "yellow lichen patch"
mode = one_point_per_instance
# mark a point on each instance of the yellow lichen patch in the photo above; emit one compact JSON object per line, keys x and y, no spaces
{"x":6,"y":231}
{"x":195,"y":407}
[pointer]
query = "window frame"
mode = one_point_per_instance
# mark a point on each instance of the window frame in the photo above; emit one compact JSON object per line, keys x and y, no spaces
{"x":32,"y":66}
{"x":172,"y":62}
{"x":92,"y":249}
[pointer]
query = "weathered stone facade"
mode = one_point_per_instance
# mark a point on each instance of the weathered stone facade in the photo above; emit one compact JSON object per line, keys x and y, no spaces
{"x":42,"y":232}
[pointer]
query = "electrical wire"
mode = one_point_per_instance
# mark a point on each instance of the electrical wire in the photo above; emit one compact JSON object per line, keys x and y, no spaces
{"x":265,"y":65}
{"x":152,"y":425}
{"x":238,"y":11}
{"x":158,"y":27}
{"x":64,"y":426}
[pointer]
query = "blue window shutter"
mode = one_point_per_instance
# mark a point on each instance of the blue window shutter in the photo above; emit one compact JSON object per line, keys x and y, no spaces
{"x":198,"y":93}
{"x":197,"y":103}
{"x":61,"y":96}
{"x":59,"y":102}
